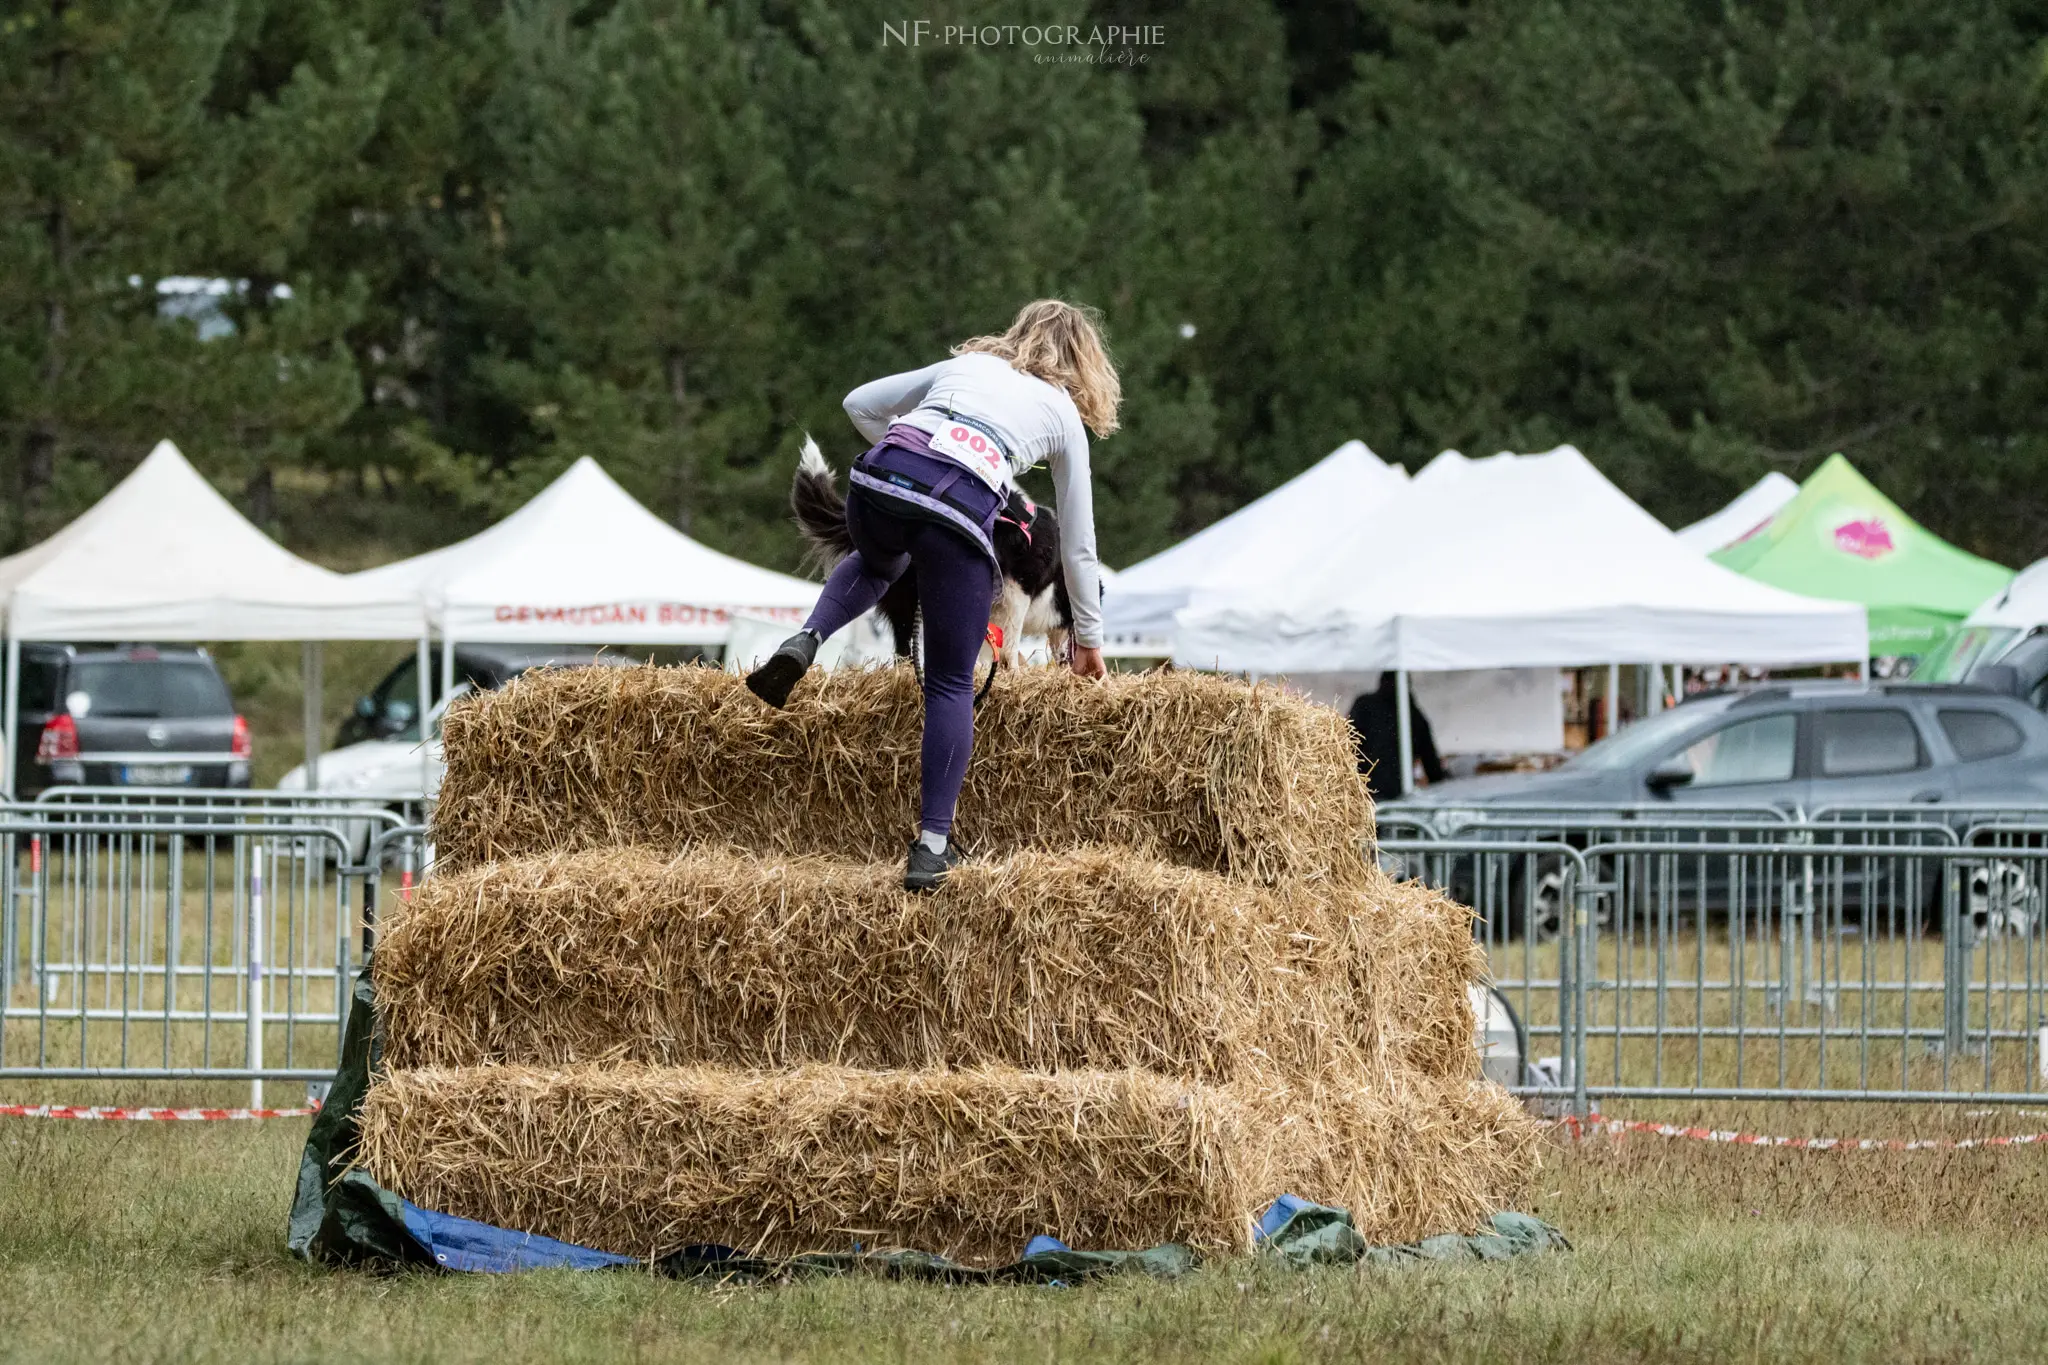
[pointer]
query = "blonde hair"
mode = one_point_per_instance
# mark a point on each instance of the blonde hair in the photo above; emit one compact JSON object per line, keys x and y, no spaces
{"x":1061,"y":343}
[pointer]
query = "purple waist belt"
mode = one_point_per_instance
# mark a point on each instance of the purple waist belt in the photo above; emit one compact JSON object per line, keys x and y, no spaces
{"x":902,"y":468}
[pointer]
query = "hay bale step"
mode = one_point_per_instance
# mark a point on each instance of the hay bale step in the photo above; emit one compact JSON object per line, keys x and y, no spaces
{"x":663,"y":987}
{"x":1192,"y":769}
{"x":642,"y":1160}
{"x":1087,"y":959}
{"x":1090,"y":959}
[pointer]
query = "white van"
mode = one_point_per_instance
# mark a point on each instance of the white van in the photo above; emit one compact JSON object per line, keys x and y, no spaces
{"x":2004,"y":643}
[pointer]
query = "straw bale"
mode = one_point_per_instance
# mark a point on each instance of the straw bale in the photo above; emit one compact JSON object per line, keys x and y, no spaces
{"x":642,"y":1160}
{"x":1411,"y":1156}
{"x":1412,"y":954}
{"x":1089,"y":959}
{"x":1193,"y":769}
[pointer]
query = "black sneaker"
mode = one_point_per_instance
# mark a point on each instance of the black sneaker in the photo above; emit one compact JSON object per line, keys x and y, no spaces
{"x":927,"y":869}
{"x":772,"y":681}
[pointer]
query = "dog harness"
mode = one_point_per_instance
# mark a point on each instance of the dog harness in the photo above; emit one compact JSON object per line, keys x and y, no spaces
{"x":1023,"y":524}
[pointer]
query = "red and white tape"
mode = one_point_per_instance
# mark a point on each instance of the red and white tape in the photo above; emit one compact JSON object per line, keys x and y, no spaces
{"x":67,"y":1111}
{"x":1598,"y":1126}
{"x":1595,"y":1126}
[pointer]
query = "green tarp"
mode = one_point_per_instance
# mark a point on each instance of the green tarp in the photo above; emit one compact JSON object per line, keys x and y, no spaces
{"x":340,"y":1216}
{"x":1841,"y":538}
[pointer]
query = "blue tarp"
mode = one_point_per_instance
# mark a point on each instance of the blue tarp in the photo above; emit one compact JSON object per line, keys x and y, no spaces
{"x":1293,"y":1229}
{"x":465,"y":1244}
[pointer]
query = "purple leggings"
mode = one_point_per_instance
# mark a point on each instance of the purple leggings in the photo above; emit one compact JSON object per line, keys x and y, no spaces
{"x":955,"y":587}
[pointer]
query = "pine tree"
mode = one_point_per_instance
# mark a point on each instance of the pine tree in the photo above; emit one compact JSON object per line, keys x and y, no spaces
{"x":416,"y":220}
{"x":128,"y":156}
{"x":1702,"y":242}
{"x":718,"y":220}
{"x":1225,"y":149}
{"x":644,"y":206}
{"x":943,"y":185}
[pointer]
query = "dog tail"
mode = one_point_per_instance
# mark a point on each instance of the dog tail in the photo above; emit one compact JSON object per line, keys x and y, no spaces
{"x":819,"y":507}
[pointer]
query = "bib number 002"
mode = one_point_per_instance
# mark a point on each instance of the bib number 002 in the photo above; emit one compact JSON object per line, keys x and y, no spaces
{"x":958,"y":441}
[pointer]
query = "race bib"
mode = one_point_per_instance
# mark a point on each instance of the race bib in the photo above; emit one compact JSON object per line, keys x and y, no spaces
{"x":958,"y":441}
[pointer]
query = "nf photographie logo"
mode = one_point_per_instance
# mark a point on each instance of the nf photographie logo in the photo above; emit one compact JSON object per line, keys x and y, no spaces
{"x":1095,"y":45}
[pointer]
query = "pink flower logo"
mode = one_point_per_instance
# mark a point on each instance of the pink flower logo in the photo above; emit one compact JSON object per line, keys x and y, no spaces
{"x":1866,"y":537}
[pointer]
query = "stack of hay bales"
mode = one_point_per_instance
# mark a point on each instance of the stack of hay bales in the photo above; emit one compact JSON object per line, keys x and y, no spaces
{"x":664,"y":986}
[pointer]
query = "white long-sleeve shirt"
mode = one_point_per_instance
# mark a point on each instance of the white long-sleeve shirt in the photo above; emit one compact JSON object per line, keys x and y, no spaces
{"x":1036,"y":423}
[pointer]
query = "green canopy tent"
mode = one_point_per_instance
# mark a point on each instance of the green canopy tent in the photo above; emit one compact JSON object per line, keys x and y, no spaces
{"x":1841,"y":538}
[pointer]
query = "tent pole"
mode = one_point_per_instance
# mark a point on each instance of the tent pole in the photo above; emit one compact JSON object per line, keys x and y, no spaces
{"x":447,"y":685}
{"x":1613,"y":698}
{"x":1407,"y":746}
{"x":426,"y":682}
{"x":9,"y":732}
{"x":309,"y":678}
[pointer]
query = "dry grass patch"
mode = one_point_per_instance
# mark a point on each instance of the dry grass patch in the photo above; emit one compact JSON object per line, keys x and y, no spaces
{"x":165,"y":1239}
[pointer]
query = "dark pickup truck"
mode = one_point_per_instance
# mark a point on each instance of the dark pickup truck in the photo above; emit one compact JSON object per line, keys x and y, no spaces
{"x":127,"y":715}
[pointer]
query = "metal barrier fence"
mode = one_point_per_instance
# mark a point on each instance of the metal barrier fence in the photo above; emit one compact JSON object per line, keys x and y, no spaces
{"x":1660,"y":952}
{"x":1681,"y":953}
{"x":187,"y":935}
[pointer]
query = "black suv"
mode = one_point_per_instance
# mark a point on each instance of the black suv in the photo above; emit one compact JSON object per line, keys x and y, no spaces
{"x":390,"y":707}
{"x":126,"y":715}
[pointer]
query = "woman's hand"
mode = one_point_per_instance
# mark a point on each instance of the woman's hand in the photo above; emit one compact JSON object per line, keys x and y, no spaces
{"x":1087,"y":662}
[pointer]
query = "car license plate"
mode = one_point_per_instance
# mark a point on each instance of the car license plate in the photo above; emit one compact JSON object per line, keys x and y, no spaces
{"x":157,"y":774}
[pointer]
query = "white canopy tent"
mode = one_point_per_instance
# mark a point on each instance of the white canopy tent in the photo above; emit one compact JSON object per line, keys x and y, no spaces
{"x":165,"y":557}
{"x":1273,"y":540}
{"x":1513,"y":562}
{"x":583,"y":562}
{"x":1485,"y":712}
{"x":1517,"y":561}
{"x":1756,"y":505}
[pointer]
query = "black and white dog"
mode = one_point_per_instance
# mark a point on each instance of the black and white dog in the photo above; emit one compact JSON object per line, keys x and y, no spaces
{"x":1033,"y":597}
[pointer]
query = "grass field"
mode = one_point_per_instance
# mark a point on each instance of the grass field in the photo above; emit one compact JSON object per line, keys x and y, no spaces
{"x":165,"y":1242}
